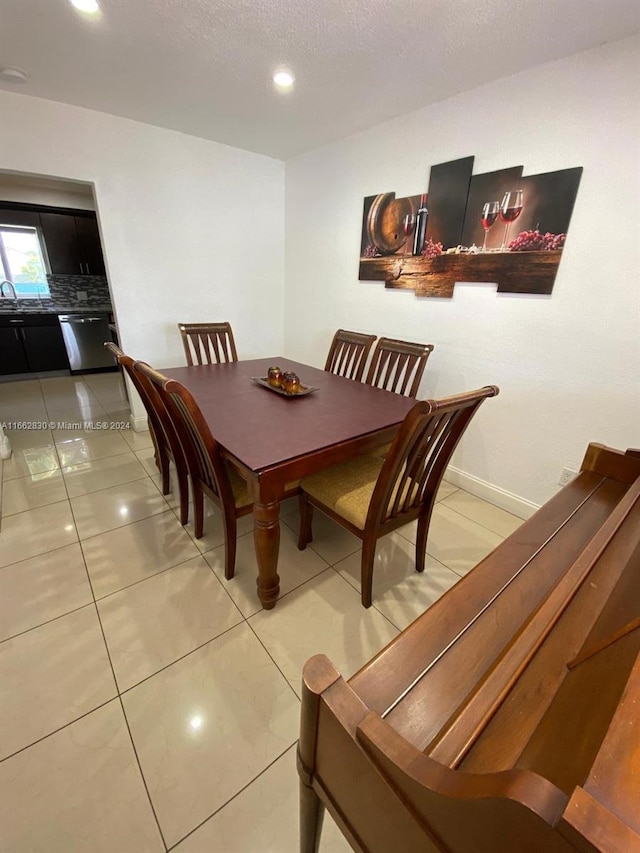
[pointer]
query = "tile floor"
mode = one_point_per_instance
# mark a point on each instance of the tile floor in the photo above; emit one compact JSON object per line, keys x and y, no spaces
{"x":148,"y":704}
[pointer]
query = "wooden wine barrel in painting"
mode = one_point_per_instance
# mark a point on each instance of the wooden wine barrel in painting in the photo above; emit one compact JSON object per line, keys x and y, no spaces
{"x":385,"y":222}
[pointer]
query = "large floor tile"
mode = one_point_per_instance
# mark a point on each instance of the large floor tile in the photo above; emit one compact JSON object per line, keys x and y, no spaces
{"x":498,"y":520}
{"x":445,"y":489}
{"x":330,"y":540}
{"x":78,"y":791}
{"x":155,"y":622}
{"x":264,"y":817}
{"x":22,"y":391}
{"x":25,"y":493}
{"x":29,"y":462}
{"x":294,"y":568}
{"x":25,"y":413}
{"x":207,"y":725}
{"x":121,"y":557}
{"x":51,"y":676}
{"x":455,"y":540}
{"x":213,"y":531}
{"x":83,"y":478}
{"x":110,"y":508}
{"x":399,"y":592}
{"x":42,"y":588}
{"x":36,"y":532}
{"x":76,"y":413}
{"x":323,"y":616}
{"x":137,"y":440}
{"x":75,"y":447}
{"x":28,"y":439}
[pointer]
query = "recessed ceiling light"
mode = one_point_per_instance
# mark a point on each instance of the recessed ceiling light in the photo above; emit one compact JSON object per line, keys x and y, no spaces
{"x":12,"y":75}
{"x":89,"y":6}
{"x":283,"y":79}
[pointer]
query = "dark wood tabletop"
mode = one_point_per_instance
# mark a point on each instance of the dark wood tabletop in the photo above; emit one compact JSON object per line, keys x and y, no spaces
{"x":262,"y":428}
{"x":274,"y":441}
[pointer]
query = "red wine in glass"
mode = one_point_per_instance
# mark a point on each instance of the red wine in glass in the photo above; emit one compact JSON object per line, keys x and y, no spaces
{"x":510,"y":210}
{"x":489,"y":215}
{"x":409,"y":225}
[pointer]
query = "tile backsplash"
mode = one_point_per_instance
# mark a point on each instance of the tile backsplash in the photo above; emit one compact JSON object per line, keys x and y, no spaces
{"x":64,"y":295}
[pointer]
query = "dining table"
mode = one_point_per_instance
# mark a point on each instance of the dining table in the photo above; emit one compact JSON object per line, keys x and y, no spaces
{"x":273,"y":441}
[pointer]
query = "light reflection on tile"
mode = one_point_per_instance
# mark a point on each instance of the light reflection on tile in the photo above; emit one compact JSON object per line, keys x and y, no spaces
{"x":114,"y":507}
{"x":323,"y":616}
{"x":36,"y":532}
{"x":206,"y":725}
{"x":455,"y":540}
{"x":42,"y":588}
{"x":29,"y":462}
{"x":89,"y":476}
{"x":294,"y":568}
{"x":25,"y":493}
{"x":124,"y":556}
{"x":399,"y":592}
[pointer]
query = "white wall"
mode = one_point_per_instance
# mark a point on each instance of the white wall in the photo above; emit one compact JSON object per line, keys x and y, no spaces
{"x":191,"y":229}
{"x":567,"y":364}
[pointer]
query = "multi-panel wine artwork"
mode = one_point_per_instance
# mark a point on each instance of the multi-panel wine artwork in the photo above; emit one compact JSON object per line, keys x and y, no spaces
{"x":499,"y":227}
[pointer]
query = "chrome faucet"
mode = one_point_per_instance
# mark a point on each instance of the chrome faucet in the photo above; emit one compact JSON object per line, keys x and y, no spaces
{"x":10,"y":283}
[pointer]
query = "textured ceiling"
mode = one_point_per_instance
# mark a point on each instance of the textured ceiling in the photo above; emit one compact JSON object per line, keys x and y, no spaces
{"x":204,"y":66}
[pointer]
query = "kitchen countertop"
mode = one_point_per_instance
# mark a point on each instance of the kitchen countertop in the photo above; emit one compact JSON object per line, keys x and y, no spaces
{"x":58,"y":309}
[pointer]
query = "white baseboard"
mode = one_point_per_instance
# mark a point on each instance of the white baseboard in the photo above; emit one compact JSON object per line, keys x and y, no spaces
{"x":139,"y":424}
{"x":488,"y":492}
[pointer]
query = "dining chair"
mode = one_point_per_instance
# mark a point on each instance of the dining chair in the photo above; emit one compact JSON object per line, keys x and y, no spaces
{"x":398,"y":366}
{"x":348,"y":354}
{"x":209,"y":473}
{"x":165,"y":440}
{"x":208,"y":343}
{"x":371,"y":497}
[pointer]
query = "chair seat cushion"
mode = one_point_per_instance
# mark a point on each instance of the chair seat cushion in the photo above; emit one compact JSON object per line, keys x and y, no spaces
{"x":346,"y":488}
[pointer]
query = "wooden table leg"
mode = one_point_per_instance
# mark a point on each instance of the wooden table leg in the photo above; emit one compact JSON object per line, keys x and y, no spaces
{"x":266,"y":536}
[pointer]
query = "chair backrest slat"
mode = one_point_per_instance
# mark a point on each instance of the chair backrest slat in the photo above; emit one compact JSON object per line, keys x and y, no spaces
{"x":348,"y":354}
{"x":200,"y":448}
{"x":420,"y":453}
{"x":160,"y":424}
{"x":398,"y":366}
{"x":208,"y":343}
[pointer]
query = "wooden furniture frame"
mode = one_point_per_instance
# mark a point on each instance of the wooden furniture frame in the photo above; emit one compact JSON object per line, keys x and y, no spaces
{"x":209,"y":343}
{"x":398,"y":366}
{"x":408,"y":480}
{"x":348,"y":354}
{"x":505,"y":717}
{"x":163,"y":435}
{"x":208,"y":470}
{"x":273,"y":441}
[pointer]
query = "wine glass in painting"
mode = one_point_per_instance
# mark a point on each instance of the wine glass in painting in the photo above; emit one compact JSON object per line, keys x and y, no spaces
{"x":489,"y":215}
{"x":409,"y":225}
{"x":510,"y":210}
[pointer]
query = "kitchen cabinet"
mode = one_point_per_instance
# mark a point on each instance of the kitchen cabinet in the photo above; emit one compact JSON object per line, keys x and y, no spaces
{"x":31,"y":344}
{"x":13,"y":358}
{"x":73,"y":243}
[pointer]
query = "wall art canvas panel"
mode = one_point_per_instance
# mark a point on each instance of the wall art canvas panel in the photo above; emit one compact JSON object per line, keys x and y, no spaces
{"x":486,"y":188}
{"x":497,"y":227}
{"x":447,"y":201}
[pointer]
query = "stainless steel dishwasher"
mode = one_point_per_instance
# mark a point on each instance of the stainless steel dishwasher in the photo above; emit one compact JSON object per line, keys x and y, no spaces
{"x":84,"y":336}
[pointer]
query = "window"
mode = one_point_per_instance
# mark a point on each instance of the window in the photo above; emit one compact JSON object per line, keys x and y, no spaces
{"x":22,"y":261}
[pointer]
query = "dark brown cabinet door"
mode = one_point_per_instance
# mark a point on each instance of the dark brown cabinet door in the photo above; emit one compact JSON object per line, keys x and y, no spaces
{"x":44,"y":347}
{"x":12,"y":355}
{"x":90,"y":246}
{"x":73,"y":244}
{"x":61,"y":240}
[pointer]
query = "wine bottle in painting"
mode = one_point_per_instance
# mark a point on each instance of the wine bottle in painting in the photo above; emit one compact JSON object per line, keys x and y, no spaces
{"x":421,"y":226}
